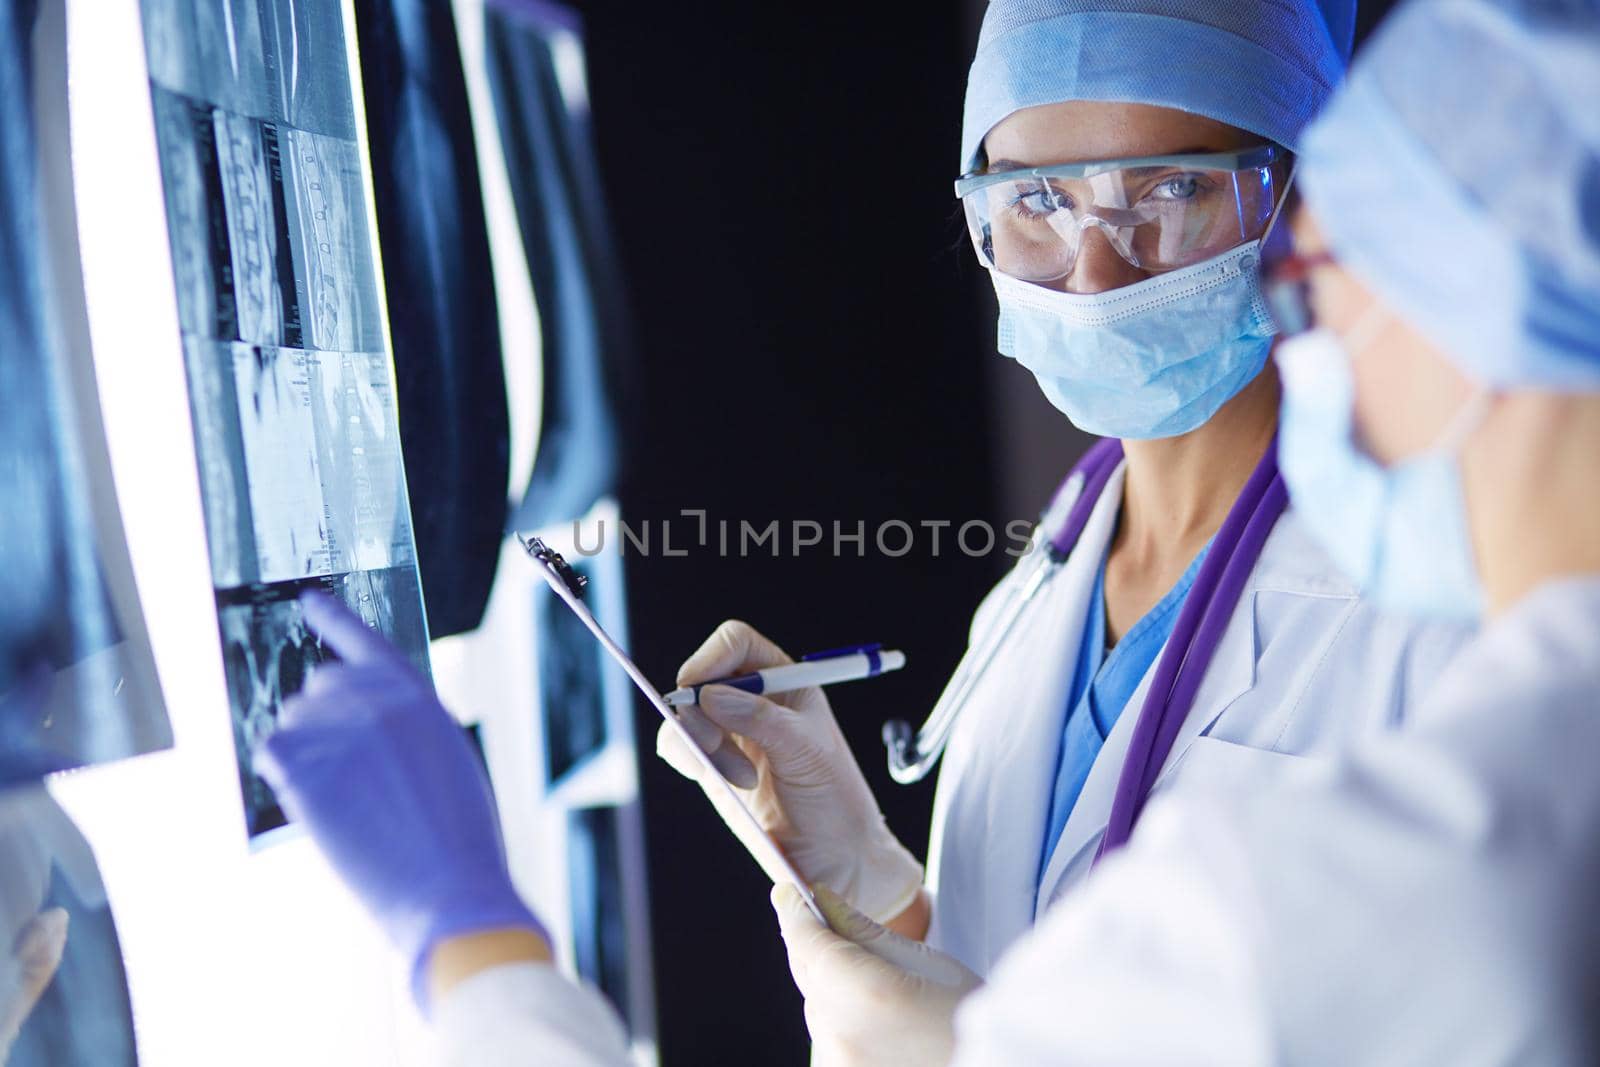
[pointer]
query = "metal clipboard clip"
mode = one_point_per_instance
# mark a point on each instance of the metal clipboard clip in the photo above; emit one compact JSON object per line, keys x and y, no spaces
{"x":569,"y":585}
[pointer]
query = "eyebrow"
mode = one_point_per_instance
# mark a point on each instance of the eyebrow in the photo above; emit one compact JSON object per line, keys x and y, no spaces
{"x":1010,"y":164}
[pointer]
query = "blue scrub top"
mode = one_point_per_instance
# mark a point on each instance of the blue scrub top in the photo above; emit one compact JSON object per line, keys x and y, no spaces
{"x":1102,"y":685}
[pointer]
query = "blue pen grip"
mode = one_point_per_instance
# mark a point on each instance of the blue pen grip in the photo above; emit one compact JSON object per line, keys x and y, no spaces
{"x":750,"y":683}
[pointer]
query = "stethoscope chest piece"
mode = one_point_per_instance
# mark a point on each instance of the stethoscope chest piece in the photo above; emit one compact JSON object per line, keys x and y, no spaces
{"x":912,"y":754}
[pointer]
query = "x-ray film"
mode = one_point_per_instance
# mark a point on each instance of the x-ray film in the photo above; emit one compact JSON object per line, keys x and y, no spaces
{"x":202,"y":262}
{"x":307,"y":61}
{"x":299,"y":461}
{"x":77,"y":674}
{"x":250,"y":161}
{"x":275,"y":246}
{"x":599,"y":918}
{"x":290,"y":387}
{"x":277,"y":60}
{"x":535,"y":68}
{"x":444,"y":318}
{"x":269,"y":652}
{"x":283,"y":478}
{"x":564,"y":581}
{"x":328,"y":220}
{"x":571,"y":694}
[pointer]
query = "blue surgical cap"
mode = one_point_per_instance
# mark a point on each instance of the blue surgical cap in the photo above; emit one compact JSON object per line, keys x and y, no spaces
{"x":1266,"y":66}
{"x":1457,"y":173}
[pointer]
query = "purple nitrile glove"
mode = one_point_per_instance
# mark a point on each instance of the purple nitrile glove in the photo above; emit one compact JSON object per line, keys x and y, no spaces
{"x":372,"y":765}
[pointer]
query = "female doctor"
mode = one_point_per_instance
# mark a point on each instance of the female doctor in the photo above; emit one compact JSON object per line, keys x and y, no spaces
{"x":1125,"y":164}
{"x":1427,"y":896}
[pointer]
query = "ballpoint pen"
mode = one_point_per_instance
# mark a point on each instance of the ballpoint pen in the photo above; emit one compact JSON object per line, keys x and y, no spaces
{"x":819,"y":668}
{"x":568,"y":584}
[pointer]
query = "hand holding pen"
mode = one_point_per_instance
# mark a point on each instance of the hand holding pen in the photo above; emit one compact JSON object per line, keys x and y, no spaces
{"x":809,"y":790}
{"x":819,"y":669}
{"x":791,"y":762}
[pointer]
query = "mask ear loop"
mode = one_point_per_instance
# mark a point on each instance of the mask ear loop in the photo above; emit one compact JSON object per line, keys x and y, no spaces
{"x":1359,"y":337}
{"x":1372,"y":320}
{"x":1465,"y":422}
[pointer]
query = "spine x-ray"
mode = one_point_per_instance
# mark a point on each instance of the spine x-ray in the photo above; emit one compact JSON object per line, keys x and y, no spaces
{"x":290,"y":384}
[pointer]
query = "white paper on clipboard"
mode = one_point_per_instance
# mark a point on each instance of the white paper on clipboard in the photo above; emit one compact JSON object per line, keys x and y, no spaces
{"x":773,"y":858}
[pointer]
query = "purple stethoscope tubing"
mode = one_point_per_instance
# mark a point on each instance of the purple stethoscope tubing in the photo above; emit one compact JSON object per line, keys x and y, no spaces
{"x":1196,"y":634}
{"x":1195,"y":638}
{"x":1097,"y":466}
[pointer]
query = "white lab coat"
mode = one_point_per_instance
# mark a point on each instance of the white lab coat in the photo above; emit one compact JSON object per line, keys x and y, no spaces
{"x":1303,"y":668}
{"x":1427,"y":897}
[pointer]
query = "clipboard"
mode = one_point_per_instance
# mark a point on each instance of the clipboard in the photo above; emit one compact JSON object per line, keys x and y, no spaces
{"x":568,"y":585}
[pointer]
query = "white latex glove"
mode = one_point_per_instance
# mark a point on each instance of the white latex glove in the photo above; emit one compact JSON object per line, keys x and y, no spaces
{"x":872,"y":996}
{"x":793,"y":769}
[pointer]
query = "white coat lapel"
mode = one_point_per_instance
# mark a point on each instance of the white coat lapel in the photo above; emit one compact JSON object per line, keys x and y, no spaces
{"x":996,"y":797}
{"x":1285,"y":566}
{"x":1087,"y":820}
{"x":1230,"y":676}
{"x":1232,"y":672}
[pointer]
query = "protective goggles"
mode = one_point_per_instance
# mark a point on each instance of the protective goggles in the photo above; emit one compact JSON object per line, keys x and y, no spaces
{"x":1159,"y":212}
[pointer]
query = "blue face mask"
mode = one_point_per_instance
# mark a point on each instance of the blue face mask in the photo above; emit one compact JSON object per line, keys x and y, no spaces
{"x":1401,"y":531}
{"x":1152,"y":359}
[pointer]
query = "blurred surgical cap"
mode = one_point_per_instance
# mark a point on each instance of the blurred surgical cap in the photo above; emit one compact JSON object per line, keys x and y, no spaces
{"x":1266,"y":66}
{"x":1457,"y":173}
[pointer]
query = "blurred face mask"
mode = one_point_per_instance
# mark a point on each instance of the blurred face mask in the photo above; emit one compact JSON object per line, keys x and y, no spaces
{"x":1400,"y":532}
{"x":1159,"y":357}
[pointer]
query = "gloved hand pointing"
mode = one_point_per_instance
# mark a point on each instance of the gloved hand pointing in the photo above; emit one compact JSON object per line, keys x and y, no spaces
{"x":368,"y":760}
{"x":794,"y":770}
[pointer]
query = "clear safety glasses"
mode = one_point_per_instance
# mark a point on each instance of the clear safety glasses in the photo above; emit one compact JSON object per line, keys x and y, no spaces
{"x":1160,"y":212}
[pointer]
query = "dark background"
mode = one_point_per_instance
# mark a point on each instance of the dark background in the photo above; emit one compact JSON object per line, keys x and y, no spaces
{"x":814,"y":340}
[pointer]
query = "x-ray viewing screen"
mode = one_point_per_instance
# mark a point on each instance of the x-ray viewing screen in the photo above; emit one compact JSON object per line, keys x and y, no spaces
{"x":290,"y":386}
{"x":268,"y":652}
{"x":572,"y":665}
{"x":599,"y":937}
{"x":77,"y":682}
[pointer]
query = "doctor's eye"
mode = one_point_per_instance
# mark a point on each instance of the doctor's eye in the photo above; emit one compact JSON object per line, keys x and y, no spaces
{"x":1178,"y":187}
{"x":1036,"y":201}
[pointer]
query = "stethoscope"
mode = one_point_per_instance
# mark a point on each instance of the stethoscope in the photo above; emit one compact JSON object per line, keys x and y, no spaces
{"x":1189,"y":651}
